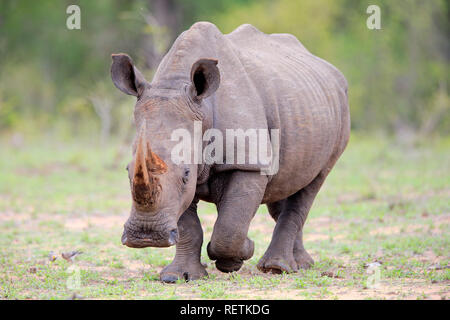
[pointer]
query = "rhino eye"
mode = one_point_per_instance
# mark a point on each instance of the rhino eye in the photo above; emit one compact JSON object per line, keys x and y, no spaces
{"x":186,"y":176}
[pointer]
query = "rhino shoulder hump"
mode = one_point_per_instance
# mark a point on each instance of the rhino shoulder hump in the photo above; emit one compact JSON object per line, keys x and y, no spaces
{"x":246,"y":29}
{"x":204,"y":26}
{"x":287,"y":39}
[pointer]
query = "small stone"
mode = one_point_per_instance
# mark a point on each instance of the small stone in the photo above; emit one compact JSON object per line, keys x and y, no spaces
{"x":329,"y":274}
{"x":371,"y":265}
{"x":76,"y":296}
{"x":438,"y":267}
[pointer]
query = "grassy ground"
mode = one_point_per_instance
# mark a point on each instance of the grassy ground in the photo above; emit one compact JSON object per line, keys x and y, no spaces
{"x":383,"y":205}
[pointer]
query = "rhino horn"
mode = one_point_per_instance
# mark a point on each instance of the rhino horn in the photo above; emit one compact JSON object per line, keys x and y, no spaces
{"x":145,"y":184}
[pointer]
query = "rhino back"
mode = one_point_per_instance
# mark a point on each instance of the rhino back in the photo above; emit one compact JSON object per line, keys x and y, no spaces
{"x":268,"y":81}
{"x":303,"y":96}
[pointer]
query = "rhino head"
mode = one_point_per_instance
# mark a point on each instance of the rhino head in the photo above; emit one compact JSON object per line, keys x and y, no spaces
{"x":161,"y":190}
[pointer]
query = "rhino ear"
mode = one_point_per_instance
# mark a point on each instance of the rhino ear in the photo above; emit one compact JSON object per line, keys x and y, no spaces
{"x":205,"y":78}
{"x":125,"y":76}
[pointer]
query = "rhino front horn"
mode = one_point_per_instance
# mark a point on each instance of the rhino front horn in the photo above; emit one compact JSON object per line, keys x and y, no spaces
{"x":145,"y":185}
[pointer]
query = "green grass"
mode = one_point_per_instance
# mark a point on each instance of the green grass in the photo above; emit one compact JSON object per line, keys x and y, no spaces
{"x":382,"y":202}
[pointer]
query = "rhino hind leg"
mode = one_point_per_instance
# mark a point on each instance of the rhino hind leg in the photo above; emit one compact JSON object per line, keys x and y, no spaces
{"x":301,"y":256}
{"x":279,"y":257}
{"x":286,"y":252}
{"x":186,"y":264}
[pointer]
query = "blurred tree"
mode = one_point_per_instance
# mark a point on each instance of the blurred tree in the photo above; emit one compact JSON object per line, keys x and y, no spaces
{"x":163,"y":21}
{"x":394,"y":73}
{"x":398,"y":76}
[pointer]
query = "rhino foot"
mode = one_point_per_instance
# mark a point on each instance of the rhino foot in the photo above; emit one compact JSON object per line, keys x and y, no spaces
{"x":229,"y":264}
{"x":188,"y":272}
{"x":277,"y":264}
{"x":229,"y":259}
{"x":303,"y":259}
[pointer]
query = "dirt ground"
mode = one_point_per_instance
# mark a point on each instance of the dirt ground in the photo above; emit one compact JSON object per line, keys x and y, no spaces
{"x":378,"y":232}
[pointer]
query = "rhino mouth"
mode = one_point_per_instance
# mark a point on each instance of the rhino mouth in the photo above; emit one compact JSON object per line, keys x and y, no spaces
{"x":136,"y":236}
{"x":149,"y":240}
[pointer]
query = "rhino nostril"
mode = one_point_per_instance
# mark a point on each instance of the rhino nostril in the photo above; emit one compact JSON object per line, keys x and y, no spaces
{"x":124,"y":238}
{"x":173,"y":238}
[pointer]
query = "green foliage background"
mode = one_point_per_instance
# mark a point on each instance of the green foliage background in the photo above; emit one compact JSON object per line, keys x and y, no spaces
{"x":50,"y":77}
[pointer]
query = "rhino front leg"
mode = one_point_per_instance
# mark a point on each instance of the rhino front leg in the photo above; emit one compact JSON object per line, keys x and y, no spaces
{"x":241,"y":197}
{"x":186,"y":264}
{"x":286,"y":252}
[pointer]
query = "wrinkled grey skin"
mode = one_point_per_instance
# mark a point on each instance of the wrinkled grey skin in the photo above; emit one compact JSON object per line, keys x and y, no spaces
{"x":245,"y":79}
